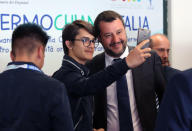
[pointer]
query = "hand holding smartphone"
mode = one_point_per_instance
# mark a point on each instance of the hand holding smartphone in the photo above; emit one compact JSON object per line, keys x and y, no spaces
{"x":143,"y":34}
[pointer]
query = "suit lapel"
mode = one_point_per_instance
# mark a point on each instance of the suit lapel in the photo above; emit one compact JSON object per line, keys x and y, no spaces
{"x":102,"y":66}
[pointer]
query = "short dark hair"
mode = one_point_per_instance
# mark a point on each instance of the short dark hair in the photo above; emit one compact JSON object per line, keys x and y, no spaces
{"x":29,"y":30}
{"x":106,"y":16}
{"x":72,"y":30}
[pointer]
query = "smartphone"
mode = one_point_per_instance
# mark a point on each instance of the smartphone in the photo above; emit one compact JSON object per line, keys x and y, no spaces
{"x":143,"y":34}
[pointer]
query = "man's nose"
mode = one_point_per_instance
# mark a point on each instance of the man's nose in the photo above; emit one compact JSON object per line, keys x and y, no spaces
{"x":116,"y":39}
{"x":165,"y":54}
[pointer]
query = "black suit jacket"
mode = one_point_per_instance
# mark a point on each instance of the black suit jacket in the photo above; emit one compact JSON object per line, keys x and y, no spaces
{"x":148,"y":79}
{"x":32,"y":101}
{"x":80,"y":87}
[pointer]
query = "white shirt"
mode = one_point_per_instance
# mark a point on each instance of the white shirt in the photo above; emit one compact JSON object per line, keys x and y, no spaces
{"x":112,"y":106}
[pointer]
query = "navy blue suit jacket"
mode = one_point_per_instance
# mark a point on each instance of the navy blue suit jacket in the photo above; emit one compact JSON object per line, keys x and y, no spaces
{"x":175,"y":112}
{"x":169,"y":72}
{"x":32,"y":101}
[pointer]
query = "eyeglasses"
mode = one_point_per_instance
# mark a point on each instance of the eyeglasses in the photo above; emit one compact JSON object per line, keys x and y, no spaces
{"x":87,"y":42}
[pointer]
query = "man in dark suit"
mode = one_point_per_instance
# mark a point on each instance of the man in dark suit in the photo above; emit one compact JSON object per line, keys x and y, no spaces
{"x":145,"y":82}
{"x":175,"y":113}
{"x":30,"y":100}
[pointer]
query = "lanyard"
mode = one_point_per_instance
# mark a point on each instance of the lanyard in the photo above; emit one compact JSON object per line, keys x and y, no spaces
{"x":82,"y":72}
{"x":25,"y":66}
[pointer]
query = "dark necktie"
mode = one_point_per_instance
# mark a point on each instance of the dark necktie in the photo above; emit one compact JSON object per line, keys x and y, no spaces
{"x":125,"y":119}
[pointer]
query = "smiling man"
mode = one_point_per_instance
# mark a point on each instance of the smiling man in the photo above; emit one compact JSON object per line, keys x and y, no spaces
{"x":144,"y":83}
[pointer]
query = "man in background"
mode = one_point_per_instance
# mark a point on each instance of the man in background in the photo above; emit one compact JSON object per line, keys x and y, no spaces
{"x":161,"y":45}
{"x":30,"y":100}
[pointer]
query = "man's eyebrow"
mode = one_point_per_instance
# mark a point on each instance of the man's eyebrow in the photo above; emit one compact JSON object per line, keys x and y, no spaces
{"x":108,"y":33}
{"x":119,"y":29}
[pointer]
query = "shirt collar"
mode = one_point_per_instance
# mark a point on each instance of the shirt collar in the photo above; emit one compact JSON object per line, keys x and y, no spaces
{"x":109,"y":59}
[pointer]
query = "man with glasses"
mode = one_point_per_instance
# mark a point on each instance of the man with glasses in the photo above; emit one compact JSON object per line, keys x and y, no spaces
{"x":79,"y":44}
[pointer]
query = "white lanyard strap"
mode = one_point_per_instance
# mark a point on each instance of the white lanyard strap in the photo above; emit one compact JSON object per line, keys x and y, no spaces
{"x":82,"y":72}
{"x":25,"y":66}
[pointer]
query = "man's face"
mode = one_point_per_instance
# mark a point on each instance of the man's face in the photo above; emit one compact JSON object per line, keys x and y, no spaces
{"x":162,"y":48}
{"x":80,"y":52}
{"x":113,"y":37}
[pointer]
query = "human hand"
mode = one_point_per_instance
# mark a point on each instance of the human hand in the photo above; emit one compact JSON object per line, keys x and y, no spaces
{"x":137,"y":56}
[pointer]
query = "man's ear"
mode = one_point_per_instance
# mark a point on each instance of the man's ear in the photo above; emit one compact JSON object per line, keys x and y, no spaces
{"x":69,"y":44}
{"x":40,"y":52}
{"x":39,"y":55}
{"x":12,"y":56}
